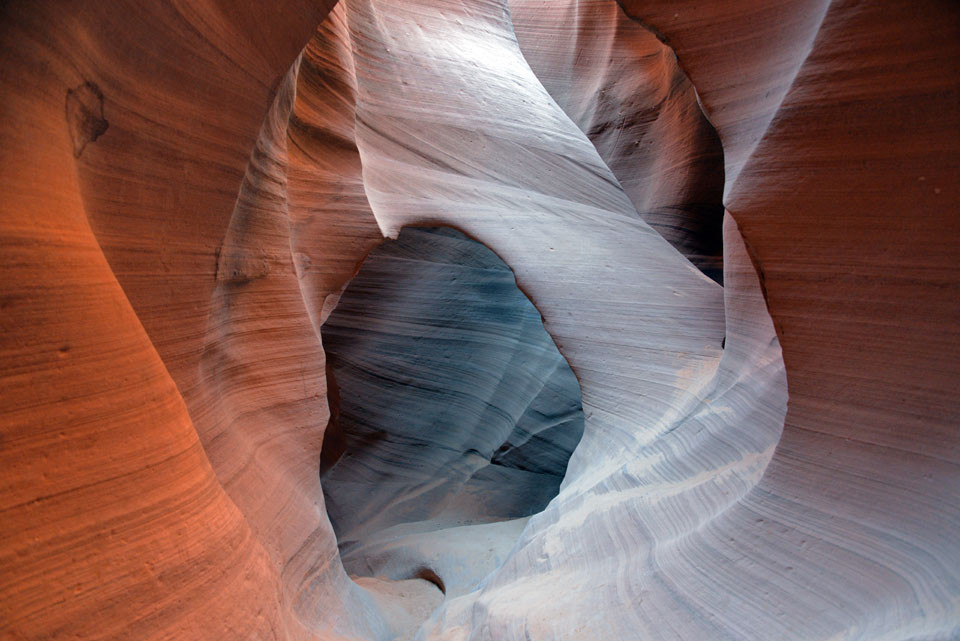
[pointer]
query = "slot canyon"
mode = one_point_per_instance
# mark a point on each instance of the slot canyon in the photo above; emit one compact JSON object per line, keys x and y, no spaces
{"x":480,"y":320}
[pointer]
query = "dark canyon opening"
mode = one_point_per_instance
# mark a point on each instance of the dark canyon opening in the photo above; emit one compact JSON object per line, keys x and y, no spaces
{"x":451,"y":406}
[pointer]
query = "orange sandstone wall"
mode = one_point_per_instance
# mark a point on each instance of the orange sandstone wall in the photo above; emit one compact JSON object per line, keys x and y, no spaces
{"x":114,"y":524}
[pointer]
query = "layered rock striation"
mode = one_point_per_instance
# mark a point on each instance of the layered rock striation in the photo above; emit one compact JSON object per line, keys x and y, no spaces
{"x":625,"y":89}
{"x":190,"y":187}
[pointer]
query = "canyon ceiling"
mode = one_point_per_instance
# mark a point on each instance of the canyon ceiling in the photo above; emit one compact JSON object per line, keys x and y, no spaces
{"x":643,"y":320}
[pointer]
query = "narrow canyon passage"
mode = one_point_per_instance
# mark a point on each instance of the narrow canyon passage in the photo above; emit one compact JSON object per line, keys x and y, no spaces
{"x":473,"y":320}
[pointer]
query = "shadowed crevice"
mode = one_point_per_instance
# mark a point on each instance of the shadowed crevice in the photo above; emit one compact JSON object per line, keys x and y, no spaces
{"x":451,"y":404}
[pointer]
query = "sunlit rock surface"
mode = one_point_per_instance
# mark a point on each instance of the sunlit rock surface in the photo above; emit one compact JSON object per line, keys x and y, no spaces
{"x":626,"y":90}
{"x":187,"y":189}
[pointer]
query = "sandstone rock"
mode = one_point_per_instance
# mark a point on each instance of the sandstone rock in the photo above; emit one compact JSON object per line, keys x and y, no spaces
{"x":188,"y":187}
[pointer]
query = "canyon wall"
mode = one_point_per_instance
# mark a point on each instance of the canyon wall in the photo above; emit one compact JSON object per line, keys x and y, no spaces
{"x":189,"y":186}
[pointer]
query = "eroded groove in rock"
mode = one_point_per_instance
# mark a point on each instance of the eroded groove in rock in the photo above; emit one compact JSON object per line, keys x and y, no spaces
{"x":455,"y":405}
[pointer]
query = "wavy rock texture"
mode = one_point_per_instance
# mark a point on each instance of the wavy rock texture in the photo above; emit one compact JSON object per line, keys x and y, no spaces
{"x":624,"y":89}
{"x":115,"y":525}
{"x":185,"y":199}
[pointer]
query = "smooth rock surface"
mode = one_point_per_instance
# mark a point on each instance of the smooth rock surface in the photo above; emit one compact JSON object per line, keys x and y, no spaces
{"x":624,"y":89}
{"x":187,"y":189}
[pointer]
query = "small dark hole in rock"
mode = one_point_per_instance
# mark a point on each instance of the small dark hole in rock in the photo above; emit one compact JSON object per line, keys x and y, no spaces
{"x":429,"y":575}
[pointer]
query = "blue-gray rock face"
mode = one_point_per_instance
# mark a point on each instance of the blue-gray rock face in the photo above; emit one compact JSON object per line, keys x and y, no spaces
{"x":455,"y":406}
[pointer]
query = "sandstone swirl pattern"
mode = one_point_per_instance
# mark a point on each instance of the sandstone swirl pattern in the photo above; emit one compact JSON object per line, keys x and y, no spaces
{"x":655,"y":382}
{"x":187,"y":190}
{"x":626,"y":91}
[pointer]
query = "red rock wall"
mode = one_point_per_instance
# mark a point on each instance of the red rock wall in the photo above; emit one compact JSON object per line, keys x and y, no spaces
{"x":114,"y":524}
